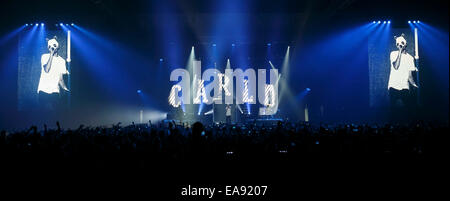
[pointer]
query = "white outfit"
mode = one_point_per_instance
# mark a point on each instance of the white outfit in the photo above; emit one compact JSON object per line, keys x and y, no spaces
{"x":49,"y":81}
{"x":228,"y":112}
{"x":399,"y":78}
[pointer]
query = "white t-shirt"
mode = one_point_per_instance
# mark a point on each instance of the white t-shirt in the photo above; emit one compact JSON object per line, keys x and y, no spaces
{"x":49,"y":81}
{"x":399,"y":79}
{"x":228,"y":112}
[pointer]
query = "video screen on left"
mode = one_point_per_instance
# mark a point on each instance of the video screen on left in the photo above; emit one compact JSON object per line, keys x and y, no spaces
{"x":44,"y":69}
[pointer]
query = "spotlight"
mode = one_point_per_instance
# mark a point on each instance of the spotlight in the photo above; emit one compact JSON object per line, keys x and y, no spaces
{"x":269,"y":44}
{"x":42,"y":24}
{"x":379,"y":22}
{"x":72,"y":24}
{"x":214,"y":45}
{"x":161,"y":60}
{"x":61,"y":24}
{"x":233,"y":45}
{"x":308,"y":89}
{"x":389,"y":21}
{"x":26,"y":24}
{"x":409,"y":22}
{"x":139,"y":91}
{"x":384,"y":22}
{"x":67,"y":24}
{"x":414,"y":22}
{"x":418,"y":21}
{"x":36,"y":24}
{"x":374,"y":22}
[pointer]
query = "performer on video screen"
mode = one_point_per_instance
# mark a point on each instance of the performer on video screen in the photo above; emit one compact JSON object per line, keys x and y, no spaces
{"x":53,"y":67}
{"x":400,"y":78}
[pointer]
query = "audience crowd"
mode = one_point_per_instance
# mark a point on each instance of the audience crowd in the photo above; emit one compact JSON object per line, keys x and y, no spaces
{"x":141,"y":144}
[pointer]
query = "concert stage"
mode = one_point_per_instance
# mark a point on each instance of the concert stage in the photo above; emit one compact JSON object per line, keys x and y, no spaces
{"x":258,"y":99}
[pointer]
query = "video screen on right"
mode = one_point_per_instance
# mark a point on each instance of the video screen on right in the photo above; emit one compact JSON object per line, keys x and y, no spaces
{"x":394,"y":68}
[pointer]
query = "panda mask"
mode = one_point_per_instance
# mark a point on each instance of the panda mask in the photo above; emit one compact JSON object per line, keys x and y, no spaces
{"x":52,"y":45}
{"x":400,"y":42}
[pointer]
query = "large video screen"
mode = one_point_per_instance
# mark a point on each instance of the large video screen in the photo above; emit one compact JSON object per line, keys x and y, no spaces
{"x":43,"y":69}
{"x":394,"y":68}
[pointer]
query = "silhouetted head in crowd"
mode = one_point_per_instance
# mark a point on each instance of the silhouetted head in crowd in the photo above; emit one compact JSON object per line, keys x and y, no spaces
{"x":197,"y":129}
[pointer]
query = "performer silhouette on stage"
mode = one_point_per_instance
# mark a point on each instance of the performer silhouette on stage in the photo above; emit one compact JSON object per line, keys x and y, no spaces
{"x":228,"y":114}
{"x":53,"y":67}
